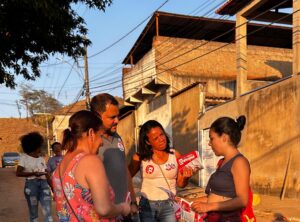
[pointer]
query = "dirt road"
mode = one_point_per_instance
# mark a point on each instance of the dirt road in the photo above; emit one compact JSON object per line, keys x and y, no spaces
{"x":13,"y":206}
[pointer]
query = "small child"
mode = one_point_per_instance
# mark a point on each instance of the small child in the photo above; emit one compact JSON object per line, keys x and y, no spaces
{"x":32,"y":166}
{"x":55,"y":160}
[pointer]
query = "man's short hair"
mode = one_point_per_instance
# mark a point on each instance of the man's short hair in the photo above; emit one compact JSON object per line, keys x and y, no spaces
{"x":99,"y":102}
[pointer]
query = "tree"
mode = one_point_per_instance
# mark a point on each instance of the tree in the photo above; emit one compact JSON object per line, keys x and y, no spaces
{"x":30,"y":31}
{"x":38,"y":101}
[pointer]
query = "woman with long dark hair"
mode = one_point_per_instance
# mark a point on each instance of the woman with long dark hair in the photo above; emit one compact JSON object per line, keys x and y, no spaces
{"x":81,"y":188}
{"x":159,"y":170}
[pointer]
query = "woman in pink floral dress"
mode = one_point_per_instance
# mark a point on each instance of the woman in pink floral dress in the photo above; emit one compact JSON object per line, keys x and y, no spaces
{"x":81,"y":188}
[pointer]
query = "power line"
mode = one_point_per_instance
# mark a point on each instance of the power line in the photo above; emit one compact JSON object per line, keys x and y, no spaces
{"x":201,"y":45}
{"x":136,"y":74}
{"x":128,"y":33}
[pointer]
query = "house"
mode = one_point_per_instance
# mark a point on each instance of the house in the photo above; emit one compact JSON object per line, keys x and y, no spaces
{"x":182,"y":65}
{"x":271,"y":138}
{"x":62,"y":116}
{"x":174,"y":51}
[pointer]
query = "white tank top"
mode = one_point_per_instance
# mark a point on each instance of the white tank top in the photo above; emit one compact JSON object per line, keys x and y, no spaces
{"x":154,"y":182}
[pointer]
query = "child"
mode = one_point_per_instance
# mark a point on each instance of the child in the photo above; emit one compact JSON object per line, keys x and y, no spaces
{"x":55,"y":160}
{"x":33,"y":167}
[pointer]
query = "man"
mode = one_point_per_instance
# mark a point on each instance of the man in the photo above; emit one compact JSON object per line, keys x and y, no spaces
{"x":55,"y":160}
{"x":112,"y":151}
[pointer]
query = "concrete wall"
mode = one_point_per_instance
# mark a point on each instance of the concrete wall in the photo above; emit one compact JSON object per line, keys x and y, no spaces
{"x":218,"y":68}
{"x":263,"y":62}
{"x":143,"y":72}
{"x":126,"y":129}
{"x":272,"y":131}
{"x":162,"y":114}
{"x":185,"y":111}
{"x":59,"y":124}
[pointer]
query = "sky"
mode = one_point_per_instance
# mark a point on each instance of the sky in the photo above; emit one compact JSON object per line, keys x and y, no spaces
{"x":113,"y":33}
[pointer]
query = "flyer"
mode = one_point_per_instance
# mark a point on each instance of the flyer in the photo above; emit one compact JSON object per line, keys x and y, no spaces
{"x":191,"y":159}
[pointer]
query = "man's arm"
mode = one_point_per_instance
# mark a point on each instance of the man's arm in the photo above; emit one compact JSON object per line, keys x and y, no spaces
{"x":134,"y":207}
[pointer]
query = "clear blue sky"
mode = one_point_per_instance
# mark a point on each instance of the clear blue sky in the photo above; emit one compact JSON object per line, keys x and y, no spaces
{"x":105,"y":28}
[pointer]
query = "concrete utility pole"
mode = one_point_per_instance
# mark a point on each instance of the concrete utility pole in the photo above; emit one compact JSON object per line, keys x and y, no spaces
{"x":47,"y":130}
{"x":86,"y":79}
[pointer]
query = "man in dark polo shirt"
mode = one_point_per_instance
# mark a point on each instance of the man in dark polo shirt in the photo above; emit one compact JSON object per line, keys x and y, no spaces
{"x":112,"y":152}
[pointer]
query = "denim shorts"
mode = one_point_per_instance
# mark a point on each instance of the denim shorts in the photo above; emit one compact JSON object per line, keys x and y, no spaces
{"x":156,"y":210}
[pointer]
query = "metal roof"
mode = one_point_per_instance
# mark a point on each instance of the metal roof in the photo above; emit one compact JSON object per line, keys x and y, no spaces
{"x":231,"y":7}
{"x":200,"y":28}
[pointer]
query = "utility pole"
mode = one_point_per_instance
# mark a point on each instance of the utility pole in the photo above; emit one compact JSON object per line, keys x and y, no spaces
{"x":86,"y":79}
{"x":47,"y":129}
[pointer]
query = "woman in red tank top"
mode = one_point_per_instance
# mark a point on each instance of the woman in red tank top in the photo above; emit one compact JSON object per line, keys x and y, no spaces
{"x":81,"y":188}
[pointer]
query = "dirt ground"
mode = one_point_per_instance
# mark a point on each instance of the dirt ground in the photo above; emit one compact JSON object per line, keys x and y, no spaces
{"x":13,"y":205}
{"x":269,"y":209}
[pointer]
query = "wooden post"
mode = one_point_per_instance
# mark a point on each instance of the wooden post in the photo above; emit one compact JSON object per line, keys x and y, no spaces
{"x":285,"y":180}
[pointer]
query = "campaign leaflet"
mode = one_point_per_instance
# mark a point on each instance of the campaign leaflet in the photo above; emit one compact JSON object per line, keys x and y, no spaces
{"x":191,"y":159}
{"x":187,"y":214}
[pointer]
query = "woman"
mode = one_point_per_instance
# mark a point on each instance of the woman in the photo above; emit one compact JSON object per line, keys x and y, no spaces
{"x":86,"y":193}
{"x":228,"y":188}
{"x":33,"y":166}
{"x":159,"y":171}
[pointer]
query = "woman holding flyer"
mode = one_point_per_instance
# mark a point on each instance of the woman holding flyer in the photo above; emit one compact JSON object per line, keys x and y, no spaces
{"x":159,"y":171}
{"x":228,"y":188}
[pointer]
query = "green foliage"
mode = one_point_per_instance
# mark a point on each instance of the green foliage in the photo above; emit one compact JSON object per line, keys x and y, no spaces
{"x":38,"y":101}
{"x":31,"y":30}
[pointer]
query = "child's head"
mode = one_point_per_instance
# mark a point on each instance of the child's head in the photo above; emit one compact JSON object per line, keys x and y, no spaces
{"x":56,"y":148}
{"x":32,"y":142}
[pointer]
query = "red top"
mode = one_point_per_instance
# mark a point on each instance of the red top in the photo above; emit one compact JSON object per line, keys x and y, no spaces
{"x":80,"y":198}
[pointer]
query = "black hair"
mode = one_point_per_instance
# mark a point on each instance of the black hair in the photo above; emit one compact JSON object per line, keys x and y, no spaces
{"x":99,"y":102}
{"x":230,"y":127}
{"x":79,"y":123}
{"x":145,"y":150}
{"x":55,"y":143}
{"x":31,"y":142}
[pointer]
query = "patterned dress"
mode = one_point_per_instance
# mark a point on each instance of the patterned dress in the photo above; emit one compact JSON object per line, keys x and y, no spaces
{"x":79,"y":197}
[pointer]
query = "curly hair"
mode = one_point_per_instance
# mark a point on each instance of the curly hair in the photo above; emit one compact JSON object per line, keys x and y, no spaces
{"x":31,"y":142}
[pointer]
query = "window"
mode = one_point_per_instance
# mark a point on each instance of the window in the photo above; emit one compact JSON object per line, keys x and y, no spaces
{"x":157,"y":102}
